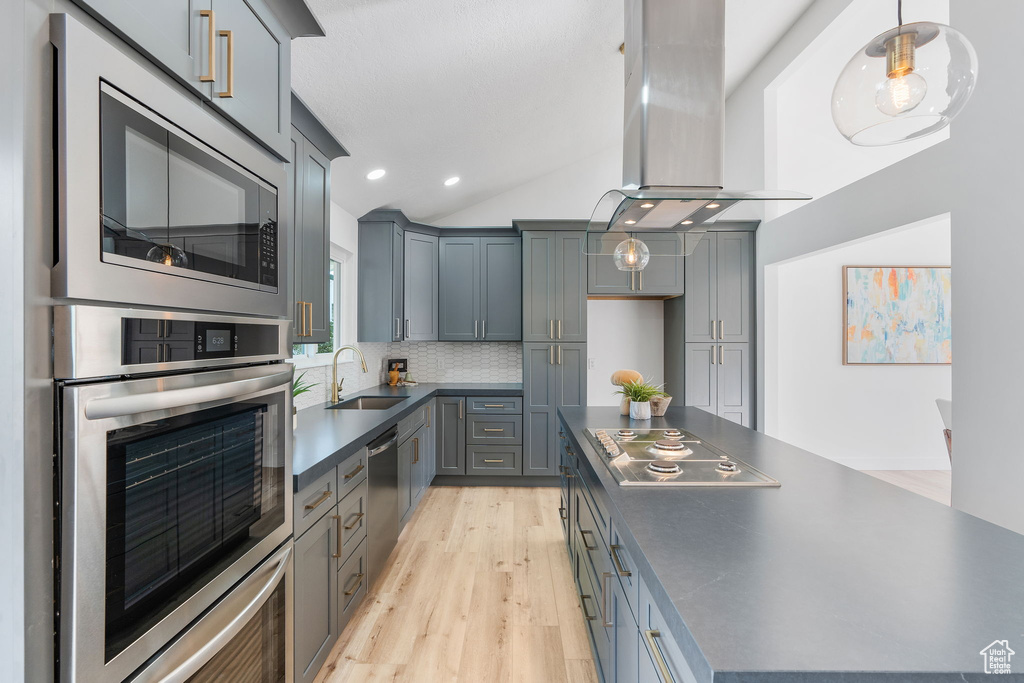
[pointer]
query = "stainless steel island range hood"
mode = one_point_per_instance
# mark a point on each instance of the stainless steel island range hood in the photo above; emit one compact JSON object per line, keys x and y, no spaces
{"x":672,"y":165}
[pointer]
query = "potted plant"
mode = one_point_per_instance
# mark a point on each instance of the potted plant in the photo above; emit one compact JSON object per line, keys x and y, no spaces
{"x":299,"y":387}
{"x":640,"y":394}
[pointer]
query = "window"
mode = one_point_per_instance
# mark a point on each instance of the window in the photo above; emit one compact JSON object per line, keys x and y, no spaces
{"x":335,"y":279}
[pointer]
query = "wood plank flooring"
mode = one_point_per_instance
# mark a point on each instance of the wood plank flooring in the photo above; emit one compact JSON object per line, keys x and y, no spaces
{"x":934,"y":484}
{"x":479,"y":589}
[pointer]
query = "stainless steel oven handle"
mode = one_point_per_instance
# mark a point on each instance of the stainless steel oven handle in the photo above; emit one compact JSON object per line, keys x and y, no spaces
{"x":120,"y":406}
{"x":196,"y":647}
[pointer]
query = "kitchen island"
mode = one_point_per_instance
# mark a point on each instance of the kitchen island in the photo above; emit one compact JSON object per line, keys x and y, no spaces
{"x":833,"y":576}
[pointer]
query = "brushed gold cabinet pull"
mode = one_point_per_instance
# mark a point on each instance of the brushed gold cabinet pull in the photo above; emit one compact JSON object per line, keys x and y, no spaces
{"x":486,"y":429}
{"x":559,"y":354}
{"x":618,"y":562}
{"x":583,"y":605}
{"x":641,"y":274}
{"x":494,"y":405}
{"x":559,"y":329}
{"x":353,"y":525}
{"x":486,"y":460}
{"x":551,"y":355}
{"x":551,"y":329}
{"x":353,"y":589}
{"x":408,"y":329}
{"x":583,"y":534}
{"x":659,"y":659}
{"x":415,"y":450}
{"x":483,"y":329}
{"x":721,"y":329}
{"x":460,"y":409}
{"x":714,"y":330}
{"x":721,"y":355}
{"x":475,"y":328}
{"x":632,"y":281}
{"x":211,"y":38}
{"x":230,"y":92}
{"x":562,"y":511}
{"x":712,"y":354}
{"x":357,"y":470}
{"x":315,"y":504}
{"x":337,"y":554}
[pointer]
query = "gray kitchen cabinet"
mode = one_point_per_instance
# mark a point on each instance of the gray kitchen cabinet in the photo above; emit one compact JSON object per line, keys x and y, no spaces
{"x":663,"y":276}
{"x":405,"y":478}
{"x":720,"y":380}
{"x":720,"y":289}
{"x":494,"y":460}
{"x":459,"y":289}
{"x":252,"y":79}
{"x":659,"y":645}
{"x":420,"y":287}
{"x":480,"y":289}
{"x":495,"y":430}
{"x":554,"y":375}
{"x":352,"y":580}
{"x":381,"y":290}
{"x":450,"y":455}
{"x":316,"y":597}
{"x":429,"y":447}
{"x":310,"y":182}
{"x":554,"y":286}
{"x":603,"y":278}
{"x":417,"y":481}
{"x":622,"y":630}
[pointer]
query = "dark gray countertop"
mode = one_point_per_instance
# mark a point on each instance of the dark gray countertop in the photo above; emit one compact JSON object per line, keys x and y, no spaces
{"x":834,"y":576}
{"x":326,"y":437}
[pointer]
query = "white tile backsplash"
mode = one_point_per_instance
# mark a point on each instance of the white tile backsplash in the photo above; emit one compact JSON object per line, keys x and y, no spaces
{"x":429,"y":362}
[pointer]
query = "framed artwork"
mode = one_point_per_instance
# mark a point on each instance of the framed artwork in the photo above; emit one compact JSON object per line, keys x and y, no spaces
{"x":897,"y":315}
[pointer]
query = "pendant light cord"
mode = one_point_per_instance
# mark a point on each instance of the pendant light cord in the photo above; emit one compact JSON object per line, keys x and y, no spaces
{"x":899,"y":12}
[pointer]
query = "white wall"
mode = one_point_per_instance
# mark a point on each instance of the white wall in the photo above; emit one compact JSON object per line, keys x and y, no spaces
{"x":867,"y":417}
{"x":623,"y":334}
{"x":570,"y":192}
{"x":345,"y":243}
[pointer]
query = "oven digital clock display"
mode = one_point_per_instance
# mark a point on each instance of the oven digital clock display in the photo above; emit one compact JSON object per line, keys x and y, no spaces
{"x":218,"y":340}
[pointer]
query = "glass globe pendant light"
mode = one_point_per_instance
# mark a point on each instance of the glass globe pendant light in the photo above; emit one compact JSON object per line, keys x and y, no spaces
{"x":906,"y":83}
{"x":168,"y":255}
{"x":631,"y":255}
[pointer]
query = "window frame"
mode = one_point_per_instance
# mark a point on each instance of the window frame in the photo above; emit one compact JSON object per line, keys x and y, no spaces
{"x":309,"y":357}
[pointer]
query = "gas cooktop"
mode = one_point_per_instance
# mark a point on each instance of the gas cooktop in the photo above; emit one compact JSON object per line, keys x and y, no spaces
{"x":670,"y":457}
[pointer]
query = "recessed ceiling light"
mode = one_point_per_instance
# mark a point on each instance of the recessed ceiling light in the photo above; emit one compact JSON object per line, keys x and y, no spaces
{"x":648,"y":205}
{"x":451,"y":181}
{"x":376,"y":174}
{"x":630,"y":222}
{"x":686,"y":223}
{"x":713,"y":205}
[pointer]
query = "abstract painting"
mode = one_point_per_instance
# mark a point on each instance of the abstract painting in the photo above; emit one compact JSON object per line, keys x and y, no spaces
{"x":897,"y":315}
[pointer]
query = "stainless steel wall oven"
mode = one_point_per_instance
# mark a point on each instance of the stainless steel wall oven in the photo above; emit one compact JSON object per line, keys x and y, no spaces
{"x":175,"y":494}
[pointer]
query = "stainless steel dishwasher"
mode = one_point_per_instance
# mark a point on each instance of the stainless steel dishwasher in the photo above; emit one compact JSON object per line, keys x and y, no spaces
{"x":382,"y":503}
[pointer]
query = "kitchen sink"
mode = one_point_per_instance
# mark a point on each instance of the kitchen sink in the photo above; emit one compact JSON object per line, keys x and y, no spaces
{"x":368,"y":403}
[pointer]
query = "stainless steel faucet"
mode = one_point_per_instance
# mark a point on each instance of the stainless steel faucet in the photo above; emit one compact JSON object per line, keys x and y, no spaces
{"x":335,"y":384}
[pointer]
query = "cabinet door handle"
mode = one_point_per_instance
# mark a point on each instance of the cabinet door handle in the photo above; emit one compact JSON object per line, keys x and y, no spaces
{"x":632,"y":280}
{"x":721,"y":355}
{"x":721,"y":329}
{"x":353,"y":525}
{"x":559,"y":354}
{"x":460,"y":409}
{"x":605,"y":621}
{"x":315,"y":504}
{"x":659,"y":658}
{"x":415,"y":450}
{"x":618,"y":562}
{"x":494,"y":405}
{"x":211,"y":49}
{"x":559,"y":328}
{"x":483,"y":329}
{"x":475,"y":324}
{"x":230,"y":92}
{"x":499,"y":460}
{"x":355,"y":587}
{"x":712,"y":354}
{"x":551,"y":355}
{"x":337,"y":553}
{"x":551,"y":329}
{"x":714,"y":330}
{"x":408,"y":329}
{"x":562,"y":511}
{"x":583,"y":605}
{"x":641,"y":277}
{"x":486,"y":429}
{"x":357,"y":470}
{"x":583,"y":534}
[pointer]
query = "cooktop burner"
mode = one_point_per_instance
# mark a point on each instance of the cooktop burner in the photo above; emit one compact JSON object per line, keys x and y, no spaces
{"x":670,"y":457}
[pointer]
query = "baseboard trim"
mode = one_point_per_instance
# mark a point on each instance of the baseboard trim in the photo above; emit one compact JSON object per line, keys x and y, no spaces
{"x":476,"y":480}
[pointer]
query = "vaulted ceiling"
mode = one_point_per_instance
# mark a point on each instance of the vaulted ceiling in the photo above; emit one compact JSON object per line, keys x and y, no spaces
{"x":496,"y":92}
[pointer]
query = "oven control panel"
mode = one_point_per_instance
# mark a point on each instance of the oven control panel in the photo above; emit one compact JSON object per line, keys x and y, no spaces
{"x":151,"y":340}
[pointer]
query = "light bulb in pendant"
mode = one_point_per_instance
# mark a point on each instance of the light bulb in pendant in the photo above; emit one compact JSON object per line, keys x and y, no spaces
{"x":898,"y":95}
{"x":631,"y":255}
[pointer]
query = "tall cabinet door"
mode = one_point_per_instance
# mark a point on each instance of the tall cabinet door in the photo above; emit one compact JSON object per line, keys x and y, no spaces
{"x":735,"y":383}
{"x":316,"y":597}
{"x":450,"y":424}
{"x":314,"y":233}
{"x":735,"y":290}
{"x":701,"y":312}
{"x":540,"y":403}
{"x":459,"y":292}
{"x":570,"y":280}
{"x":571,"y":375}
{"x":539,"y":285}
{"x":501,"y":289}
{"x":420,"y":287}
{"x":702,"y":377}
{"x":398,"y":281}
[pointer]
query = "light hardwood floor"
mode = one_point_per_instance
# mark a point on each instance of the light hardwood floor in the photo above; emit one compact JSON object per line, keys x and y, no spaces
{"x":479,"y":589}
{"x":934,"y":484}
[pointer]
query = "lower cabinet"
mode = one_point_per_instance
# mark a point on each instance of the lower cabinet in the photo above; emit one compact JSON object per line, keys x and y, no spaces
{"x":479,"y":436}
{"x":719,"y":378}
{"x":625,"y":644}
{"x":450,"y":439}
{"x":412,"y":468}
{"x":554,"y":376}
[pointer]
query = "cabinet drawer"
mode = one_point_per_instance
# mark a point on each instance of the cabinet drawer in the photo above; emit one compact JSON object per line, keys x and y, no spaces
{"x":352,"y":580}
{"x":492,"y":404}
{"x":494,"y":460}
{"x":592,"y":547}
{"x":494,"y":429}
{"x":408,"y":426}
{"x":352,"y":521}
{"x":659,"y":643}
{"x":351,"y":473}
{"x":314,"y":501}
{"x":598,"y":511}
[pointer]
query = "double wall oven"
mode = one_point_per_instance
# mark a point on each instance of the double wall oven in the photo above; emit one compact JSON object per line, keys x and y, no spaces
{"x":173,"y":402}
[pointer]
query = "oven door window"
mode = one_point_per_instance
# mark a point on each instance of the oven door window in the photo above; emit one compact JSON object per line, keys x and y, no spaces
{"x":169,"y":203}
{"x":186,"y":497}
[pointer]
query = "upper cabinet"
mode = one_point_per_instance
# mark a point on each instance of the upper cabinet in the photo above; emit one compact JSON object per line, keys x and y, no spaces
{"x":662,"y":277}
{"x":720,"y":289}
{"x":381,"y":273}
{"x":554,"y":286}
{"x":235,"y":54}
{"x":309,"y":184}
{"x":480,"y":292}
{"x":420,"y":287}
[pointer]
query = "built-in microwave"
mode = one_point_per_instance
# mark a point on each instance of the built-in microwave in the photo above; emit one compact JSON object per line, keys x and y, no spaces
{"x":162,"y":203}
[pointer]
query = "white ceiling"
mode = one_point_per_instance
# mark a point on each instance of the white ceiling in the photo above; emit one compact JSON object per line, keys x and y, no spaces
{"x":496,"y":92}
